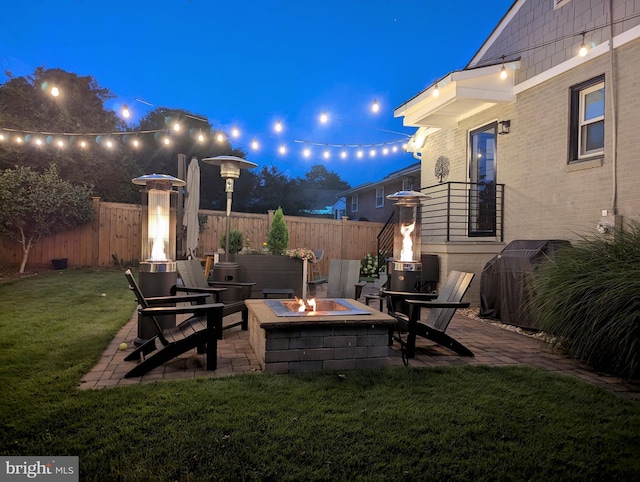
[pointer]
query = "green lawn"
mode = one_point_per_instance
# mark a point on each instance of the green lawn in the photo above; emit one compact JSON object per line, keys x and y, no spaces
{"x":468,"y":423}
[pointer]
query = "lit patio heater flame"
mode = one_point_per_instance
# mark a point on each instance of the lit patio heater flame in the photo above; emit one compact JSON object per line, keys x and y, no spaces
{"x":406,"y":253}
{"x":159,"y":233}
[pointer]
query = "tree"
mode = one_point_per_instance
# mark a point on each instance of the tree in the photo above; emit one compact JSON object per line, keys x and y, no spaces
{"x":26,"y":104}
{"x":34,"y":206}
{"x":278,"y":237}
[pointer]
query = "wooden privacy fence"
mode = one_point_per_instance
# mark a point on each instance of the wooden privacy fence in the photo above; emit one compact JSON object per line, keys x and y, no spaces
{"x":116,"y":232}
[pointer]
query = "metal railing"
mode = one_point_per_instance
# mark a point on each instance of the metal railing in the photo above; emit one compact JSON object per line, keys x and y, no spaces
{"x":463,"y":211}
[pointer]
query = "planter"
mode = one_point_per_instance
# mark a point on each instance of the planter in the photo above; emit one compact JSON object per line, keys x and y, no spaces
{"x":59,"y":263}
{"x":269,"y":271}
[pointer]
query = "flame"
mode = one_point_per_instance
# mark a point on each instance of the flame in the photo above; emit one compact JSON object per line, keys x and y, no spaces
{"x":308,"y":305}
{"x":407,"y":243}
{"x":158,"y":231}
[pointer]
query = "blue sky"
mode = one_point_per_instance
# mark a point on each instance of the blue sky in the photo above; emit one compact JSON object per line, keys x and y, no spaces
{"x":250,"y":63}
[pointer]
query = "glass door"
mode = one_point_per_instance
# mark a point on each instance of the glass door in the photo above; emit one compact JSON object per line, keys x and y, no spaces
{"x":482,"y":181}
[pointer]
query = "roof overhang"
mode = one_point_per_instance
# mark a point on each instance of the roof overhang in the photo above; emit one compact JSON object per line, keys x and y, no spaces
{"x":461,"y":94}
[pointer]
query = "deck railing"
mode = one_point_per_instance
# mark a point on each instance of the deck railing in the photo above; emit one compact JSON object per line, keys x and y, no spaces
{"x":463,"y":211}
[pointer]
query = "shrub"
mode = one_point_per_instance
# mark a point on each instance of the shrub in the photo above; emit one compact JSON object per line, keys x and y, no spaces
{"x":278,"y":237}
{"x":369,"y":266}
{"x":589,"y":298}
{"x":235,"y":241}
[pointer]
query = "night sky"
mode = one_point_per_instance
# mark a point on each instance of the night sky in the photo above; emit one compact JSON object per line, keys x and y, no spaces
{"x":250,"y":63}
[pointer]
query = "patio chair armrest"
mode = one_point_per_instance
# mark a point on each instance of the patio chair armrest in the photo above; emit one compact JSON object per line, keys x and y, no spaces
{"x":178,"y":310}
{"x":244,"y":287}
{"x":215,"y":292}
{"x":164,"y":300}
{"x":439,"y":304}
{"x":359,"y":286}
{"x":318,"y":281}
{"x":409,"y":295}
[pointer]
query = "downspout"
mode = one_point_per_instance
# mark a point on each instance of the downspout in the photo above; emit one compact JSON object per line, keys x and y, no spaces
{"x":614,"y":124}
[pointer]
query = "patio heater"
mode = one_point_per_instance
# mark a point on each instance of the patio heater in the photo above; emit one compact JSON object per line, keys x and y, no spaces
{"x":229,"y":170}
{"x":157,"y":274}
{"x":404,"y":270}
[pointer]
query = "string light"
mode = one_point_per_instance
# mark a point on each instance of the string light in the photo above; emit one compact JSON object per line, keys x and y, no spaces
{"x":278,"y":126}
{"x":282,"y":149}
{"x":254,"y":144}
{"x":55,"y":91}
{"x":372,"y":153}
{"x":200,"y":136}
{"x":360,"y":154}
{"x":220,"y":138}
{"x":343,"y":154}
{"x":324,"y":117}
{"x":166,"y":141}
{"x":306,"y":152}
{"x":125,"y":112}
{"x":235,"y":132}
{"x":583,"y":48}
{"x":375,"y":107}
{"x":503,"y":70}
{"x":326,"y":154}
{"x":436,"y":91}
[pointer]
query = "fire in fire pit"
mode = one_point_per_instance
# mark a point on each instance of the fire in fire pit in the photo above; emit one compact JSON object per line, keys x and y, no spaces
{"x":321,"y":307}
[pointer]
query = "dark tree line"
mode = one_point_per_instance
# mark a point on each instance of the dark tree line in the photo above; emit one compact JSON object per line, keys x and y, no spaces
{"x":28,"y":110}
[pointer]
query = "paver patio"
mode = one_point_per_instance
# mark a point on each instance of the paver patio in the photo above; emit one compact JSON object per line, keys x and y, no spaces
{"x":492,"y":345}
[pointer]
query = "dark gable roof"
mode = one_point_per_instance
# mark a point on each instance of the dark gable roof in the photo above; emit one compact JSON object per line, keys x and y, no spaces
{"x":405,"y":171}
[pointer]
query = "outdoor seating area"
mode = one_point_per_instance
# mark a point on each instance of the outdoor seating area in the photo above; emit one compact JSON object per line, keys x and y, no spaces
{"x":492,"y":345}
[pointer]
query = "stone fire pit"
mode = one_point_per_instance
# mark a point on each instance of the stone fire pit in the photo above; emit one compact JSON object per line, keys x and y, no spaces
{"x":342,"y":335}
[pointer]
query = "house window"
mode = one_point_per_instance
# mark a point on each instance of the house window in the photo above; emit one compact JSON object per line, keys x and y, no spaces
{"x":354,"y":203}
{"x":407,"y":184}
{"x":559,"y":3}
{"x":380,"y":197}
{"x":587,"y":120}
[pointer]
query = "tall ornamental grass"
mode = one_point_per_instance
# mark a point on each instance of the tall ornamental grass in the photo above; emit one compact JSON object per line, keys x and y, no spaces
{"x":588,"y":297}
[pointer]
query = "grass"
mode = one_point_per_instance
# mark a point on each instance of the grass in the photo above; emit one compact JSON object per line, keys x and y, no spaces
{"x":467,"y":423}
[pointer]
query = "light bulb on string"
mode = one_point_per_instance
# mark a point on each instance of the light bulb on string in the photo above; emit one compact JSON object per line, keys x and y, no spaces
{"x":343,"y":154}
{"x":282,"y":149}
{"x":306,"y":152}
{"x":385,"y":151}
{"x":60,"y":143}
{"x":359,"y":154}
{"x":166,"y":140}
{"x":436,"y":90}
{"x":200,"y":136}
{"x":83,"y":143}
{"x":254,"y":144}
{"x":324,"y":117}
{"x":125,"y":112}
{"x":278,"y":126}
{"x":375,"y":107}
{"x":326,"y":154}
{"x":176,"y":127}
{"x":55,"y":91}
{"x":1,"y":137}
{"x":235,"y":132}
{"x":220,"y":137}
{"x":503,"y":70}
{"x":372,"y":153}
{"x":19,"y":140}
{"x":136,"y":143}
{"x":583,"y":48}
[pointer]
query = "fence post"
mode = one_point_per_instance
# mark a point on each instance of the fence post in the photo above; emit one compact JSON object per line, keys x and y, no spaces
{"x":342,"y":243}
{"x":95,"y":232}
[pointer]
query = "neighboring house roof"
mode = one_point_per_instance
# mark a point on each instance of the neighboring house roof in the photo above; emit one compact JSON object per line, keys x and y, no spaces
{"x":399,"y":174}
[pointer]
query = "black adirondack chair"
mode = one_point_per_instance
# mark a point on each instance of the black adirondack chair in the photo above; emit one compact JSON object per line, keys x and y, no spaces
{"x":199,"y":331}
{"x":441,"y":311}
{"x":195,"y":281}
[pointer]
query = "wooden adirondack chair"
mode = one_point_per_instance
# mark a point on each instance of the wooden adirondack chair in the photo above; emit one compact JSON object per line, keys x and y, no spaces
{"x":442,"y":309}
{"x":195,"y":281}
{"x":199,"y":331}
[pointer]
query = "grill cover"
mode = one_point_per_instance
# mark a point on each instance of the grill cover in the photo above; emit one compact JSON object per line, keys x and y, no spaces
{"x":505,"y":284}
